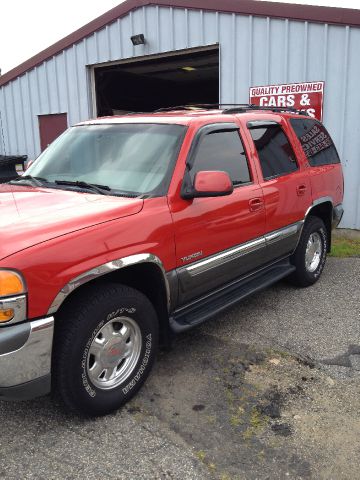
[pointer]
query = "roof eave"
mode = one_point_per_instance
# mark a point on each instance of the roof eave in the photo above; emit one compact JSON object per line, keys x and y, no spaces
{"x":330,"y":15}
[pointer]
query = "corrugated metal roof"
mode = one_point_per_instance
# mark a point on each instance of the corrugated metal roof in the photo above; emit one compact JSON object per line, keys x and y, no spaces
{"x":340,"y":16}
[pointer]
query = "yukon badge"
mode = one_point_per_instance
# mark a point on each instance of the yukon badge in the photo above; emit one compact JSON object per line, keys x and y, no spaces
{"x":192,"y":256}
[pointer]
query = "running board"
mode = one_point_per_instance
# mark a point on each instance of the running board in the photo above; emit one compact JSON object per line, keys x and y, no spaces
{"x":203,"y":309}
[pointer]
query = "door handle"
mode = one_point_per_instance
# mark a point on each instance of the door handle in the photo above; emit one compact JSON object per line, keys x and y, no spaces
{"x":256,"y":204}
{"x":301,"y":190}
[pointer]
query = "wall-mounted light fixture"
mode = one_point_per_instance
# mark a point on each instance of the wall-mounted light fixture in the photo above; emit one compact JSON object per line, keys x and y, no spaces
{"x":138,"y":39}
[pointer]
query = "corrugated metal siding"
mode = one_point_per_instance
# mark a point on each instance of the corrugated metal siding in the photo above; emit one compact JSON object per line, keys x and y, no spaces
{"x":265,"y":51}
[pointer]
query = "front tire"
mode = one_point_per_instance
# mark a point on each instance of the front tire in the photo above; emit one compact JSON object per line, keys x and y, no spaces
{"x":105,"y":345}
{"x":310,"y":255}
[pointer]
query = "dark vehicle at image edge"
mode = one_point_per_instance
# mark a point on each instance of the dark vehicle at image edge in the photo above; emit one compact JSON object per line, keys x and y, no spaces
{"x":129,"y":229}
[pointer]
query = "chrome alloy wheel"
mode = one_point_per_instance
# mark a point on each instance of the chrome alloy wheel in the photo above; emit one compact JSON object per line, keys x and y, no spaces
{"x":114,"y":353}
{"x":314,"y":251}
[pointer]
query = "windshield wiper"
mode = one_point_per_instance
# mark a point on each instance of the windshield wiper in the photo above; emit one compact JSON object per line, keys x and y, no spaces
{"x":101,"y":189}
{"x":38,"y":181}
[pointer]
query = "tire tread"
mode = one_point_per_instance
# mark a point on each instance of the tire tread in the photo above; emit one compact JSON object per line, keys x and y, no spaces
{"x":301,"y":277}
{"x":69,"y":325}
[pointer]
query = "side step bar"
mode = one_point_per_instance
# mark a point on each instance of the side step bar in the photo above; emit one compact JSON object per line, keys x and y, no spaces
{"x":200,"y":311}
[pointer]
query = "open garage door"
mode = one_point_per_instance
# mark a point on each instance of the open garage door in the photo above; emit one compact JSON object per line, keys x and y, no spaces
{"x":150,"y":84}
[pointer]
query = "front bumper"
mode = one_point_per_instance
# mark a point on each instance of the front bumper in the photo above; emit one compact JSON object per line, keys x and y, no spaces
{"x":25,"y":359}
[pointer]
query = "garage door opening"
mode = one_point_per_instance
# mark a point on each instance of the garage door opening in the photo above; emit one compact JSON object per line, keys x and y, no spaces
{"x":147,"y":85}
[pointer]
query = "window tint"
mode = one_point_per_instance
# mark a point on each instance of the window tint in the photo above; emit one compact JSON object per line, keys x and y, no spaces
{"x":315,"y":141}
{"x":222,"y":151}
{"x":275,"y":152}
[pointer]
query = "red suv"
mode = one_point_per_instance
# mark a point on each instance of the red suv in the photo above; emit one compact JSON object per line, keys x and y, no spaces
{"x":128,"y":229}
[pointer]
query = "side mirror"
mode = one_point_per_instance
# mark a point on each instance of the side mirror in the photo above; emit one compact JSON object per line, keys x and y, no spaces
{"x":210,"y":184}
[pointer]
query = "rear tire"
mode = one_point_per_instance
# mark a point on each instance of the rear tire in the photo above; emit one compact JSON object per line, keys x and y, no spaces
{"x":310,"y":255}
{"x":105,"y":345}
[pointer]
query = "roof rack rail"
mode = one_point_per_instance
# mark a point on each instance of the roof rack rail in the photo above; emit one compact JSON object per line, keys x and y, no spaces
{"x":247,"y":108}
{"x":178,"y":107}
{"x":235,"y":108}
{"x":200,"y":106}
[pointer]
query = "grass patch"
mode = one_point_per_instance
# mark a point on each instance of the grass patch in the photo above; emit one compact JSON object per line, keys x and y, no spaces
{"x":201,"y":455}
{"x":345,"y":248}
{"x":257,"y":419}
{"x":274,"y":352}
{"x":258,"y":422}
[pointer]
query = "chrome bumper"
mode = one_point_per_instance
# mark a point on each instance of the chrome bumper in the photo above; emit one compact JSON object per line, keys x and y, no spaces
{"x":25,"y":359}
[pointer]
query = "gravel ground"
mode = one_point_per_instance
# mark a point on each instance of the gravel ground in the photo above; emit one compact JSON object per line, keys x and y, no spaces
{"x":321,"y":322}
{"x":270,"y":390}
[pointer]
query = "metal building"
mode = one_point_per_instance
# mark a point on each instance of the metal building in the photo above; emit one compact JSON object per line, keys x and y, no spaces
{"x":191,"y":51}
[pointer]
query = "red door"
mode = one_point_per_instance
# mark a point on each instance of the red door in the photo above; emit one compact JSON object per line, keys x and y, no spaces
{"x":285,"y":183}
{"x":218,"y":239}
{"x":51,"y":126}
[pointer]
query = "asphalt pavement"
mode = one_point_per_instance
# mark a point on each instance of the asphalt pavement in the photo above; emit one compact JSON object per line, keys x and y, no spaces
{"x":269,"y":390}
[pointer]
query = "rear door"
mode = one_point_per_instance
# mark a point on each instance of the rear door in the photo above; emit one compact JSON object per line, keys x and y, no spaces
{"x":321,"y":154}
{"x":218,"y":239}
{"x":285,"y":183}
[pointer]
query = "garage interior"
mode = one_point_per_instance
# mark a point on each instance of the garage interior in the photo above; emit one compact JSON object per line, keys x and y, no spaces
{"x":148,"y":85}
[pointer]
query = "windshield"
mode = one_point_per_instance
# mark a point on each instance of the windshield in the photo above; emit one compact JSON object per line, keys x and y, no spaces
{"x":130,"y":158}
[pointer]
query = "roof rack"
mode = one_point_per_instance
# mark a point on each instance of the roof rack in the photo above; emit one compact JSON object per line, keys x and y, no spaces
{"x":190,"y":107}
{"x":196,"y":106}
{"x":247,"y":108}
{"x":235,"y":108}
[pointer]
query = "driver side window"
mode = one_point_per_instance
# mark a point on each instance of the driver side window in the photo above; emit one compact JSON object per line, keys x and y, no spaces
{"x":224,"y":151}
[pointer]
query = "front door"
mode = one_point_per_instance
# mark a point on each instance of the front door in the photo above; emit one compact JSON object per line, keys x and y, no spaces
{"x":218,"y":239}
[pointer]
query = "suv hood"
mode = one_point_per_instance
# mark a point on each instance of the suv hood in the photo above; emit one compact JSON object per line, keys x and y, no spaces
{"x":29,"y":216}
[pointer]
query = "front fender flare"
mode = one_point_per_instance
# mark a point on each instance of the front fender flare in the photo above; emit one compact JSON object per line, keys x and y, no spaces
{"x":104,"y":269}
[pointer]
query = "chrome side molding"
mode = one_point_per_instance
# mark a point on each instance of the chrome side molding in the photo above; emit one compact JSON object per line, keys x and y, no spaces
{"x":243,"y":249}
{"x":226,"y":256}
{"x":104,"y":269}
{"x":284,"y":232}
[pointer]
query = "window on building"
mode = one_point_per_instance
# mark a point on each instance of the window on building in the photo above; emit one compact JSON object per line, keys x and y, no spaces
{"x":275,"y":152}
{"x":223,"y":151}
{"x":315,"y":141}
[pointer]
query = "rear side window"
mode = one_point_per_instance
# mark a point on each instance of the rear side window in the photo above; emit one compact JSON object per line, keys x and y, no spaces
{"x":315,"y":141}
{"x":275,"y":152}
{"x":224,"y":151}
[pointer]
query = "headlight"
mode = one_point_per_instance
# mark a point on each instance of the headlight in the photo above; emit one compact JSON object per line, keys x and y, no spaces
{"x":12,"y":297}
